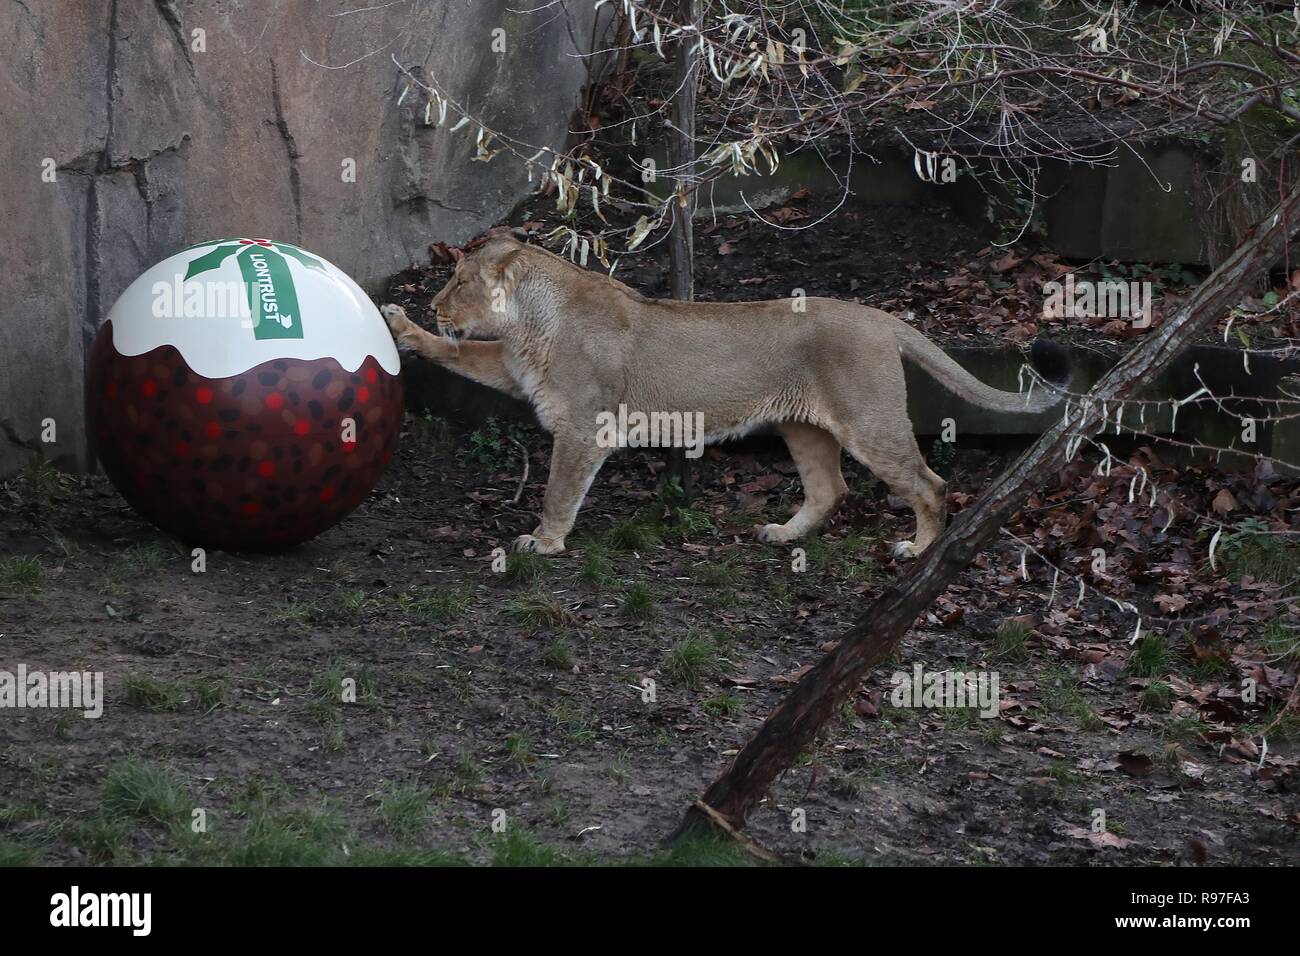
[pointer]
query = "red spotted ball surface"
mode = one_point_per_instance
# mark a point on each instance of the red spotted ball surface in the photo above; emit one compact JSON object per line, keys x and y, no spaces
{"x":232,"y":439}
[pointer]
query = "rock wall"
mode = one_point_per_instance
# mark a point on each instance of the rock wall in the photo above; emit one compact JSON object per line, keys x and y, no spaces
{"x":132,"y":128}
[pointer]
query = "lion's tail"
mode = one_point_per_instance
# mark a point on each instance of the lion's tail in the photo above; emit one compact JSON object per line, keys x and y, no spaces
{"x":1051,"y":361}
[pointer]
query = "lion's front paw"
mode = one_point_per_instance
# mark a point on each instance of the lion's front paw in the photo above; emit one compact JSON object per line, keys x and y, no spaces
{"x":403,"y":329}
{"x":905,"y":549}
{"x":395,"y":316}
{"x":776,"y":533}
{"x":528,"y":542}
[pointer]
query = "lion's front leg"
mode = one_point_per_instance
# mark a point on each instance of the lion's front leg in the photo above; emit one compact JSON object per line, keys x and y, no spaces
{"x":482,"y":362}
{"x":574,"y":463}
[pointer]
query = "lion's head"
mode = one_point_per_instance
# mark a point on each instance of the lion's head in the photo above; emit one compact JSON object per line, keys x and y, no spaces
{"x":477,"y":299}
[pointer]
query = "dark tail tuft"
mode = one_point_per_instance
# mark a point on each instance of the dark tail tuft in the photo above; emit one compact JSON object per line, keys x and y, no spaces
{"x":1051,"y":361}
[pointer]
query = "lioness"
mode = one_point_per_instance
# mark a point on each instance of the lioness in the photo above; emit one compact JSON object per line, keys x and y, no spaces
{"x":577,"y":344}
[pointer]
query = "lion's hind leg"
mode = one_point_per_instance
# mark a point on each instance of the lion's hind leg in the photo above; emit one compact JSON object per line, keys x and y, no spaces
{"x":892,"y":455}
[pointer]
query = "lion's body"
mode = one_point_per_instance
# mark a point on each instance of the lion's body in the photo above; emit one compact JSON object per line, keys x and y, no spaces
{"x":577,"y":344}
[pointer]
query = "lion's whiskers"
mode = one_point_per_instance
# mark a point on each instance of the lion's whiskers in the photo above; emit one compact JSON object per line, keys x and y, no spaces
{"x":447,"y":331}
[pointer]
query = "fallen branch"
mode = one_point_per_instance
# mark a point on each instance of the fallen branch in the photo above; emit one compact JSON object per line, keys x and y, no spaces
{"x":749,"y":845}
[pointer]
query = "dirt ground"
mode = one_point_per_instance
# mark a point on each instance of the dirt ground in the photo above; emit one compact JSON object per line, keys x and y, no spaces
{"x":523,"y":691}
{"x":519,"y":698}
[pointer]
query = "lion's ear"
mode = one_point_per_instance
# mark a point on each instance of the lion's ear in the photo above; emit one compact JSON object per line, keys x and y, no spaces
{"x":511,"y":270}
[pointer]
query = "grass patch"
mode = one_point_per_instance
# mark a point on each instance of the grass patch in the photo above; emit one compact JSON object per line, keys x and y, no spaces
{"x":838,"y":557}
{"x":144,"y":557}
{"x":145,"y":791}
{"x":558,"y":655}
{"x":22,"y":575}
{"x":639,"y":602}
{"x":1252,"y":550}
{"x":539,"y":609}
{"x":1183,"y":729}
{"x":329,"y":687}
{"x":13,"y":853}
{"x":151,"y":694}
{"x":1278,"y":724}
{"x":574,"y":722}
{"x":1280,"y":640}
{"x":1150,"y":658}
{"x":299,"y":612}
{"x":346,"y":604}
{"x":690,"y":522}
{"x":723,"y":705}
{"x":37,"y":483}
{"x":102,"y":838}
{"x":705,"y":850}
{"x":492,"y":445}
{"x":1156,"y":696}
{"x":1061,"y":694}
{"x":517,"y":848}
{"x":404,"y":809}
{"x":341,"y":607}
{"x":1011,"y":640}
{"x":520,"y":749}
{"x":693,"y":660}
{"x":723,"y":573}
{"x":634,"y":534}
{"x":209,"y":693}
{"x":299,"y":837}
{"x":436,"y":606}
{"x":469,"y":772}
{"x":596,"y":569}
{"x":526,"y":567}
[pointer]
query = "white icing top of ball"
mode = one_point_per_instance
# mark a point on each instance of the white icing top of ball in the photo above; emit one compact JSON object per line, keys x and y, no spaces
{"x":227,"y":306}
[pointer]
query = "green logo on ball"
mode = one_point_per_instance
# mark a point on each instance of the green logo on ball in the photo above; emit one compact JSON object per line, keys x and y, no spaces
{"x":272,"y":298}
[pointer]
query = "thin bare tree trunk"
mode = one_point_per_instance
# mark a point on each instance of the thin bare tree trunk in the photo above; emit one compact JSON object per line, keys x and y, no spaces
{"x":681,"y":238}
{"x":791,"y":728}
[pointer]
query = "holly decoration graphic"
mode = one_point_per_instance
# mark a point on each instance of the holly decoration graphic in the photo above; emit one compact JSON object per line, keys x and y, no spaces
{"x":272,"y":297}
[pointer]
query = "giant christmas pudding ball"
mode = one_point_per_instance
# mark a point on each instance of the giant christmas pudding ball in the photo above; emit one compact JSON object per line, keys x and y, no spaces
{"x":244,"y":394}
